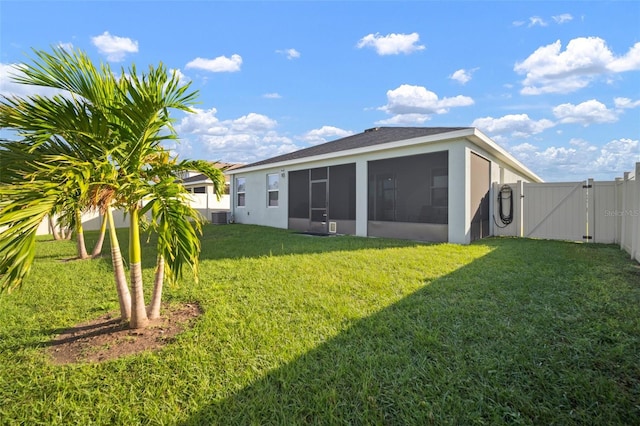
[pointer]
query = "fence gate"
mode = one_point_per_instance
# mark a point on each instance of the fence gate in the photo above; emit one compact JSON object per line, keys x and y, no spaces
{"x":561,"y":211}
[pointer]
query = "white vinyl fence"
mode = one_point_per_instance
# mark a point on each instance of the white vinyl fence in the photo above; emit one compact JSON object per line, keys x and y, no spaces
{"x":601,"y":212}
{"x":91,"y":221}
{"x":210,"y":207}
{"x":206,"y":204}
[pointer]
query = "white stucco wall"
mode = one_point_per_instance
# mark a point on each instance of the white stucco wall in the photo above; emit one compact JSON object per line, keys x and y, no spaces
{"x":362,"y":202}
{"x":256,"y":211}
{"x":459,"y":164}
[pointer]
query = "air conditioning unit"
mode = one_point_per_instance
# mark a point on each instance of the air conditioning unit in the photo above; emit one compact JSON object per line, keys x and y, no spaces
{"x":219,"y":218}
{"x":333,"y":227}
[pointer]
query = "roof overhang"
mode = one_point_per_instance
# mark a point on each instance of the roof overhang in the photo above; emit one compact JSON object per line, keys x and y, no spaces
{"x":472,"y":134}
{"x":484,"y":142}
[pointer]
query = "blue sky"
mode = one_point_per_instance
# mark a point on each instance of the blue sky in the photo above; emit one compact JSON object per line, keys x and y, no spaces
{"x":555,"y":83}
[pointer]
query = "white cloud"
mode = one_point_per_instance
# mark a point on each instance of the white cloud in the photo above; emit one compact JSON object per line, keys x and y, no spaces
{"x":462,"y":76}
{"x":551,"y":70}
{"x":536,"y":20}
{"x":581,"y":159}
{"x":415,"y":104}
{"x":66,"y":46}
{"x":405,"y":119}
{"x":246,"y":139}
{"x":219,"y":64}
{"x":273,"y":95}
{"x":563,"y":18}
{"x":628,"y":62}
{"x":10,"y":88}
{"x":391,"y":44}
{"x":541,"y":22}
{"x":289,"y":53}
{"x":626,"y":103}
{"x":202,"y":122}
{"x":408,"y":99}
{"x":183,"y":79}
{"x":325,"y":134}
{"x":618,"y":156}
{"x":517,"y":125}
{"x":114,"y":47}
{"x":253,"y":122}
{"x":589,"y":112}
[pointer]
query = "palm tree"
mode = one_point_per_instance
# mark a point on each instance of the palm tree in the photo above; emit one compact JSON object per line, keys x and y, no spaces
{"x":64,"y":141}
{"x":51,"y":128}
{"x":124,"y":122}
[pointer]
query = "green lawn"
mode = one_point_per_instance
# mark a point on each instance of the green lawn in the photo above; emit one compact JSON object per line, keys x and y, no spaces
{"x":343,"y":330}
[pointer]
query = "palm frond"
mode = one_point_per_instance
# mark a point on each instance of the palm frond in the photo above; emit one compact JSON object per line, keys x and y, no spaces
{"x":178,"y":226}
{"x":22,"y":209}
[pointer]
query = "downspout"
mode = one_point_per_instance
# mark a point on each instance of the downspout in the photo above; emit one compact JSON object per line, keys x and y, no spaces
{"x":232,"y":197}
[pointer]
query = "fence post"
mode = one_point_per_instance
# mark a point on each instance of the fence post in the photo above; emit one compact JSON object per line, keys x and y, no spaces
{"x":626,"y":229}
{"x":520,"y":209}
{"x":634,"y":214}
{"x":619,"y":185}
{"x":492,"y":210}
{"x":590,"y":203}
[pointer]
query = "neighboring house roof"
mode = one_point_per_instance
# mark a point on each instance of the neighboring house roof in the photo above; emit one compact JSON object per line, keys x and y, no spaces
{"x":195,"y":179}
{"x":202,"y":179}
{"x":379,"y":138}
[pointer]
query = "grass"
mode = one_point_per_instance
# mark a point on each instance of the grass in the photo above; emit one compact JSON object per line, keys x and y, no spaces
{"x":343,"y":330}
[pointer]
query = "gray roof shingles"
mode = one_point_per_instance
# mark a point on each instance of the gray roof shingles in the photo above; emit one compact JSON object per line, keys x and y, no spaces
{"x":370,"y":137}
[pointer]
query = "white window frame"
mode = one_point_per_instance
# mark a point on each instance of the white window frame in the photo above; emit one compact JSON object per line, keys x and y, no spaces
{"x":271,"y":188}
{"x":243,"y":192}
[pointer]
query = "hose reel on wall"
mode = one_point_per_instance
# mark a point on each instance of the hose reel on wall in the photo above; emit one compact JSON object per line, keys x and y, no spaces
{"x":505,"y":206}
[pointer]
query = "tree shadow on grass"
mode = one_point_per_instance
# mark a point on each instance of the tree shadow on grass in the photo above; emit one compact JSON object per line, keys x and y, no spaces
{"x":481,"y":345}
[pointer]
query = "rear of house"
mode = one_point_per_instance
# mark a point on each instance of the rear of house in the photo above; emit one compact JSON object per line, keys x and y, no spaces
{"x":420,"y":183}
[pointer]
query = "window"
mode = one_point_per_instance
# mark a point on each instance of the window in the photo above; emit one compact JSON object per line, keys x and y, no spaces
{"x":199,"y":190}
{"x":241,"y":189}
{"x":272,"y":189}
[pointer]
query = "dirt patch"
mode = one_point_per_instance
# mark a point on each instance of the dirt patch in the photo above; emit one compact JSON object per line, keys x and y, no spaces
{"x":107,"y":337}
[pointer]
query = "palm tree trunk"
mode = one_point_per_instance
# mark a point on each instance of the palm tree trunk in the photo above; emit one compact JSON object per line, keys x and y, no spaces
{"x":97,"y":249}
{"x":54,"y":228}
{"x":124,"y":297}
{"x":156,"y":299}
{"x":139,"y":317}
{"x":82,"y":248}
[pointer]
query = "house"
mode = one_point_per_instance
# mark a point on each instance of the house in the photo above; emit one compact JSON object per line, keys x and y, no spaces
{"x":204,"y":199}
{"x":419,"y":183}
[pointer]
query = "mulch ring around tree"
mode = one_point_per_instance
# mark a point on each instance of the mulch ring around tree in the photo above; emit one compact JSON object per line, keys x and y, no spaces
{"x":108,"y":338}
